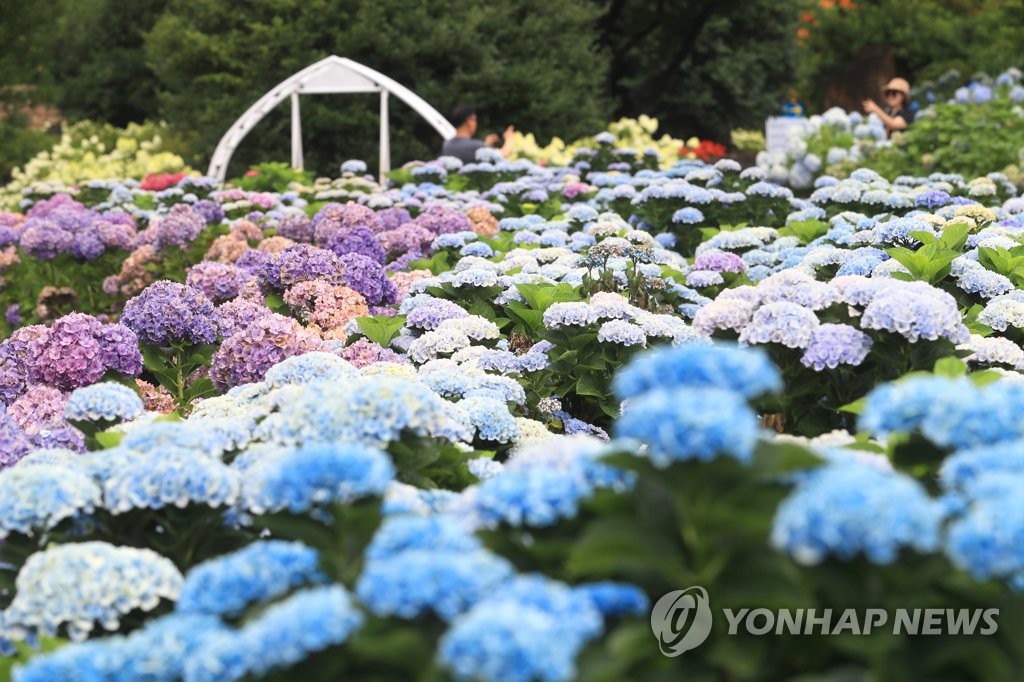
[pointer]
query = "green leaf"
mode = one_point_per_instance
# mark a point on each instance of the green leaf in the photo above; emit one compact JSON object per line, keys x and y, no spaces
{"x":774,"y":458}
{"x":591,"y":385}
{"x":109,"y":439}
{"x":277,"y":304}
{"x":542,"y":296}
{"x":856,"y":407}
{"x":381,"y":329}
{"x":950,"y":367}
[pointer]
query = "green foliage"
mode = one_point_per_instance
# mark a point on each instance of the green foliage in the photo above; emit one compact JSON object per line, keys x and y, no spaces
{"x":970,"y":139}
{"x":700,"y":67}
{"x":932,"y":262}
{"x":926,"y":37}
{"x":530,"y":64}
{"x":272,"y":177}
{"x":20,"y":143}
{"x":113,"y":84}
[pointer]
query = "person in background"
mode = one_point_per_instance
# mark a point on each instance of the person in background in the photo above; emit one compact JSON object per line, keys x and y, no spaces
{"x":897,"y":114}
{"x":463,"y":146}
{"x":794,"y":108}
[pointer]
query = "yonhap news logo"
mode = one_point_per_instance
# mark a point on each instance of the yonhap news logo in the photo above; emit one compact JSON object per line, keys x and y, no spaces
{"x":682,"y":620}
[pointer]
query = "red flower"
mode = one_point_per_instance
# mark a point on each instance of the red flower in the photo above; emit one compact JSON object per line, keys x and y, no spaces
{"x":709,"y":151}
{"x":251,"y":172}
{"x":156,"y":182}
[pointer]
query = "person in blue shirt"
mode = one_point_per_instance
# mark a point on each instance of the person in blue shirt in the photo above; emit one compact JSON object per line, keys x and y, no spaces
{"x":463,"y":146}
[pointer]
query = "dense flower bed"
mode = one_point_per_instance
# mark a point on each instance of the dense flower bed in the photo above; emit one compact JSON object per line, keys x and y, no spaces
{"x":474,"y":426}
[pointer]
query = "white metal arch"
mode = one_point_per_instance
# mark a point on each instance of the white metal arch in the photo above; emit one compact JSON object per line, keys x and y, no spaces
{"x":331,"y":75}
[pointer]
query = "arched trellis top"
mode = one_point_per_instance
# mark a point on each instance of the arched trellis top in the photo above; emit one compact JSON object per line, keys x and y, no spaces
{"x":331,"y":75}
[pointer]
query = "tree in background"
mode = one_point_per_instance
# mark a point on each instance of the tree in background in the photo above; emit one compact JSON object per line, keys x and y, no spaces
{"x":700,"y":66}
{"x":98,"y":60}
{"x":531,"y":63}
{"x":849,"y":47}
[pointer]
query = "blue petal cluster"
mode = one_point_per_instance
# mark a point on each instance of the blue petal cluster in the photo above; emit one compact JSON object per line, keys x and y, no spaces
{"x":259,"y":572}
{"x":846,"y":509}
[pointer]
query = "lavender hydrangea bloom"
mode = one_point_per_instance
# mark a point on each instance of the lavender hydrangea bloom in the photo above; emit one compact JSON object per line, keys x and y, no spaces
{"x":14,"y":442}
{"x":359,"y":240}
{"x":247,"y":355}
{"x":832,"y":345}
{"x":220,"y":282}
{"x":302,"y":263}
{"x":333,"y":218}
{"x":167,"y":312}
{"x":439,"y":219}
{"x":719,"y":261}
{"x":786,"y":323}
{"x":13,"y":374}
{"x":367,"y":277}
{"x":430,"y":315}
{"x":69,"y":354}
{"x":178,"y":228}
{"x":211,"y":211}
{"x":238,"y":315}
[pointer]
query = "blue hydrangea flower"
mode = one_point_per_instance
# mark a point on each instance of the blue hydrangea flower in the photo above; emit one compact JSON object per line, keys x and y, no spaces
{"x":962,"y":468}
{"x":373,"y":409}
{"x":785,"y":323}
{"x":415,"y":564}
{"x":832,"y":345}
{"x":616,"y":599}
{"x":310,"y":367}
{"x":969,"y":419}
{"x":846,"y":509}
{"x":915,"y":310}
{"x":623,"y":333}
{"x":688,"y":216}
{"x":107,"y":401}
{"x":315,"y":474}
{"x":490,"y":418}
{"x":156,"y":653}
{"x":259,"y":572}
{"x":546,"y":483}
{"x":169,"y":477}
{"x":902,"y":407}
{"x":747,"y":371}
{"x":79,"y":585}
{"x":690,"y":423}
{"x":987,"y":540}
{"x":39,"y":496}
{"x":286,"y":633}
{"x":532,"y":629}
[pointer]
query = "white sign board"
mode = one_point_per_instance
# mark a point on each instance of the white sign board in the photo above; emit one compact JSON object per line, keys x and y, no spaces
{"x":777,"y":130}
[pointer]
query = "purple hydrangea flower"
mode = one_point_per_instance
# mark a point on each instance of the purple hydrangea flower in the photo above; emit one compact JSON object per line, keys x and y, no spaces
{"x":218,"y":281}
{"x":303,"y":263}
{"x":13,"y":374}
{"x":248,"y":354}
{"x":116,"y":235}
{"x":719,"y":261}
{"x":440,"y":219}
{"x":298,"y":228}
{"x":836,"y":344}
{"x":431,"y":314}
{"x":211,"y":211}
{"x":167,"y":312}
{"x":337,"y":217}
{"x":120,"y":348}
{"x":237,"y":315}
{"x":13,"y":314}
{"x":409,"y":238}
{"x":368,"y":278}
{"x":14,"y":442}
{"x":393,"y":218}
{"x":69,"y":354}
{"x":359,"y":240}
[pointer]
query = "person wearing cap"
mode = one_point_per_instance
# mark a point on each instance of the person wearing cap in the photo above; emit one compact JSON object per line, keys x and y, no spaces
{"x":897,"y":114}
{"x":463,"y":146}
